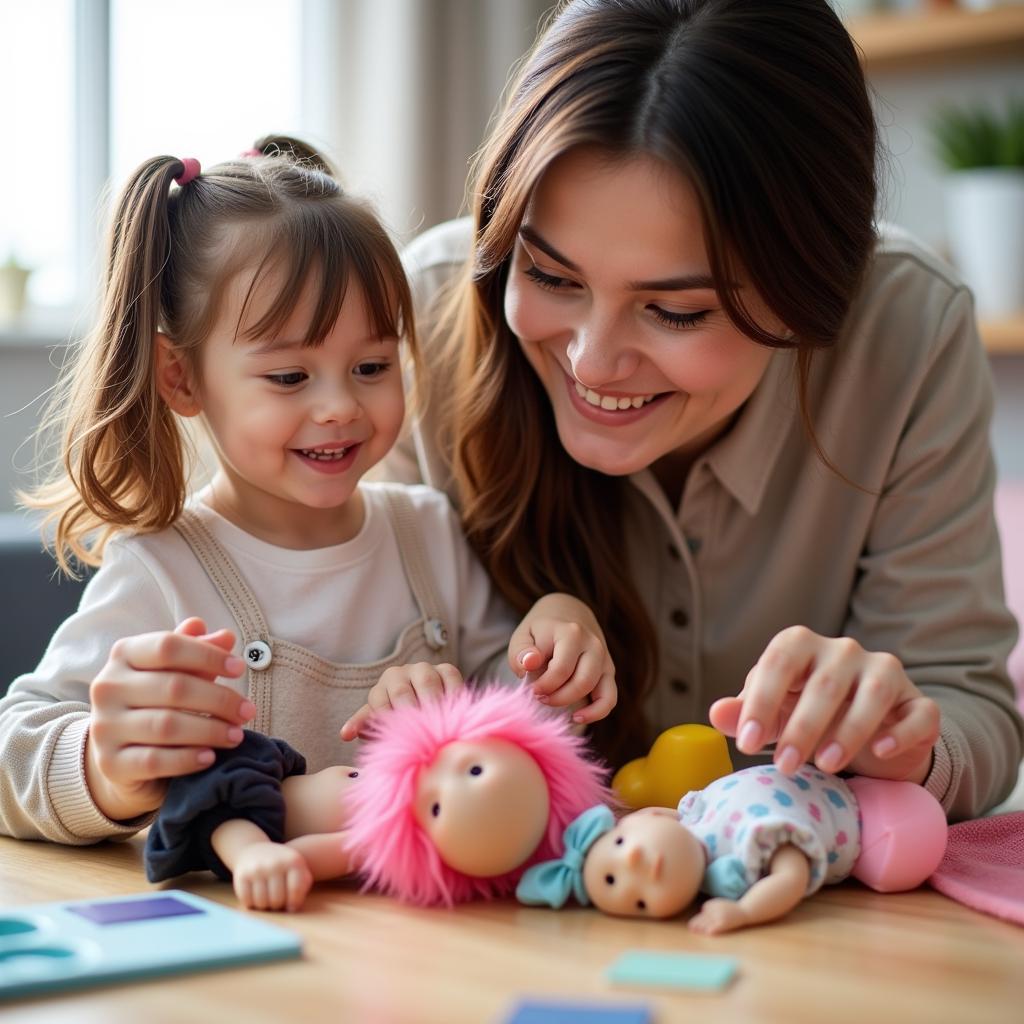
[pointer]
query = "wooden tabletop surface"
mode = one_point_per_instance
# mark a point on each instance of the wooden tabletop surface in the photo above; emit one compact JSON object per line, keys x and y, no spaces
{"x":847,"y":954}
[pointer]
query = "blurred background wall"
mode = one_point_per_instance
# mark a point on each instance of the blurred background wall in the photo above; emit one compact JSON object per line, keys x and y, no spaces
{"x":398,"y":93}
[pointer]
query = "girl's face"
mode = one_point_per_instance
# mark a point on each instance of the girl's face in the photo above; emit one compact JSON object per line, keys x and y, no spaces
{"x":610,"y":295}
{"x":296,"y":427}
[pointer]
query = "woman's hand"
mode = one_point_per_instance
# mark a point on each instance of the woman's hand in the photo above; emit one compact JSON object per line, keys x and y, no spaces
{"x":400,"y":685}
{"x":157,"y":712}
{"x":560,"y":642}
{"x":830,"y":702}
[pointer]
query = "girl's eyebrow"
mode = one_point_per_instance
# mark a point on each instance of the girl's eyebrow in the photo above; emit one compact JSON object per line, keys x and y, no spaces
{"x":682,"y":283}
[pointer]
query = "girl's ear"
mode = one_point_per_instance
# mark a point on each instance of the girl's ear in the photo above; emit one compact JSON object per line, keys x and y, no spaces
{"x":174,"y":378}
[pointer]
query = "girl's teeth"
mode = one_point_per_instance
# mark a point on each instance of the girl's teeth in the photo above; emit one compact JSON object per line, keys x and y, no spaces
{"x":324,"y":456}
{"x":609,"y":403}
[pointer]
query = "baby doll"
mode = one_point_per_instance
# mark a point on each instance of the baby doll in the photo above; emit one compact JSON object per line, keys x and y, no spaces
{"x":449,"y":800}
{"x":457,"y":797}
{"x":757,"y":840}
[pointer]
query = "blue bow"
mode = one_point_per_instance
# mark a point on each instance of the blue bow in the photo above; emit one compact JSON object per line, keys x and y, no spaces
{"x":551,"y":882}
{"x":726,"y":877}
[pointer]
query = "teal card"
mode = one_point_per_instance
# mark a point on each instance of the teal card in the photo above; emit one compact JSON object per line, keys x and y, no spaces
{"x":694,"y":971}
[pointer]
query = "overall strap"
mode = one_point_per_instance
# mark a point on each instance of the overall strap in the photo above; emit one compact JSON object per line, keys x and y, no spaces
{"x":417,"y":570}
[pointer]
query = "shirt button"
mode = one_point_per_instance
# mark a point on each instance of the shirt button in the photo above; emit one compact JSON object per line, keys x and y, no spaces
{"x":257,"y":655}
{"x":680,"y":619}
{"x":436,"y":633}
{"x":680,"y":686}
{"x":674,"y":554}
{"x":693,"y":543}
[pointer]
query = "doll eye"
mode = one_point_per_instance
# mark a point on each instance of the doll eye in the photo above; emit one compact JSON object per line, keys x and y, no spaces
{"x":476,"y":770}
{"x":641,"y":905}
{"x":435,"y":810}
{"x":618,"y":842}
{"x":610,"y":879}
{"x":353,"y":775}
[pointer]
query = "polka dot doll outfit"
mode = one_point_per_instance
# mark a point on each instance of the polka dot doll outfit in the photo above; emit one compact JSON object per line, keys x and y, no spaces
{"x":748,"y":815}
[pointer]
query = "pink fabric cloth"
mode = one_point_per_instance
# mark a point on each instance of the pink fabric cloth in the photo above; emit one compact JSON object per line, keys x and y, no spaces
{"x":1010,"y":517}
{"x":984,"y":866}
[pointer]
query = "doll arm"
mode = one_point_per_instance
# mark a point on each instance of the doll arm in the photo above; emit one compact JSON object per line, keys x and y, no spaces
{"x":768,"y":899}
{"x":324,"y":854}
{"x":265,"y":875}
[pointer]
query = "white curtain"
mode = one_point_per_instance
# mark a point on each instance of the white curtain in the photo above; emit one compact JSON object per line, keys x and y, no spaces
{"x":399,"y":92}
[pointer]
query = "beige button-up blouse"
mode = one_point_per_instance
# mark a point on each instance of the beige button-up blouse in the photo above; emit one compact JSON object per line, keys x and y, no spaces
{"x":766,"y":536}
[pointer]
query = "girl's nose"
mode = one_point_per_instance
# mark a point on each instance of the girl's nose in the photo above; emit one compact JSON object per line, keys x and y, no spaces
{"x":598,"y":355}
{"x":336,"y":405}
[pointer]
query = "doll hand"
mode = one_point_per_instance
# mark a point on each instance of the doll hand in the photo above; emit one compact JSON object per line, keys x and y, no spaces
{"x":717,"y":916}
{"x":271,"y":876}
{"x":561,"y":636}
{"x":403,"y":684}
{"x":157,"y":712}
{"x":829,"y":701}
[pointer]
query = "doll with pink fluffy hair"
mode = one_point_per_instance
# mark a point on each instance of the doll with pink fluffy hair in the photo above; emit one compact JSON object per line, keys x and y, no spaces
{"x":457,"y":798}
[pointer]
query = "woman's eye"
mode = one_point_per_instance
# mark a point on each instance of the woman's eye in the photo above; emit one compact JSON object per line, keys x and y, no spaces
{"x":287,"y":380}
{"x":548,"y":281}
{"x":677,"y":321}
{"x":367,"y":370}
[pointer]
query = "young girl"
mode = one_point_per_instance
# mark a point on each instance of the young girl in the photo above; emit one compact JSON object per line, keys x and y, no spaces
{"x":263,"y":299}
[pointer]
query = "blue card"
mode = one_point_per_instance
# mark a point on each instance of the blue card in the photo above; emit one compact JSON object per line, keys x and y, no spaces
{"x":49,"y":947}
{"x":694,"y":971}
{"x":536,"y":1012}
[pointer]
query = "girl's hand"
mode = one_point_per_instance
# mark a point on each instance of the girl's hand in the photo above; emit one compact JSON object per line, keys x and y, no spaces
{"x":828,"y":701}
{"x":561,"y":643}
{"x":157,"y":712}
{"x":403,"y":684}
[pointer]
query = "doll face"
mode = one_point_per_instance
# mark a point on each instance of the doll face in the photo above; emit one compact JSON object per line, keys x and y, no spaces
{"x":647,"y":866}
{"x":484,"y":805}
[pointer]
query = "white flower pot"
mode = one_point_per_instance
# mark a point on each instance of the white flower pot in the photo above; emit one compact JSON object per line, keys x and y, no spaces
{"x":985,"y":220}
{"x":13,"y":280}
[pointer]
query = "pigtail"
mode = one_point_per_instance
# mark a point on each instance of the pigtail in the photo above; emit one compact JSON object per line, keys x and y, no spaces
{"x":123,"y":454}
{"x":296,"y":150}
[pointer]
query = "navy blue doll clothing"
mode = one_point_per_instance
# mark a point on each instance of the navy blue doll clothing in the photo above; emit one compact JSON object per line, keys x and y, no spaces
{"x":243,"y":782}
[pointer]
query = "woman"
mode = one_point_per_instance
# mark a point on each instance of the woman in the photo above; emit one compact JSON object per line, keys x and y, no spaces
{"x":681,"y":375}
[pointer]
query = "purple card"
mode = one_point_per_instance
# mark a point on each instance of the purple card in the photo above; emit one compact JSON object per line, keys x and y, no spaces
{"x":121,"y":911}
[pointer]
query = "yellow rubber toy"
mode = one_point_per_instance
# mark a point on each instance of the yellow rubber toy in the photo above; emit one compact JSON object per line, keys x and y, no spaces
{"x":682,"y":758}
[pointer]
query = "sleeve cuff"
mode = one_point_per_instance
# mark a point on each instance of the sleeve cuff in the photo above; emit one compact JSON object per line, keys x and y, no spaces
{"x":939,"y":781}
{"x":73,"y":805}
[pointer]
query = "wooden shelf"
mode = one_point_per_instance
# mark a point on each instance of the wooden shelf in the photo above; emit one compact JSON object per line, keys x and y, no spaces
{"x":1004,"y":337}
{"x":895,"y":41}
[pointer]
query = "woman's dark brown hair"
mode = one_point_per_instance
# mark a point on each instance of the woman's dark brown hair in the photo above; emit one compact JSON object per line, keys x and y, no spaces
{"x":762,"y":105}
{"x":277,"y":214}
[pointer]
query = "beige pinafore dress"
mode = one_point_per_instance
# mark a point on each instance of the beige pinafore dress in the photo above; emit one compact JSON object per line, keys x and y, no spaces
{"x":300,"y":697}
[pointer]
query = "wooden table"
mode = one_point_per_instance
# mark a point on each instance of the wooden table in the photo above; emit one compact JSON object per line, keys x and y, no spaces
{"x":848,"y":954}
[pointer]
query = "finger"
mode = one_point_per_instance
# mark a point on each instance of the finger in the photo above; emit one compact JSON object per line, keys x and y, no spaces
{"x":785,"y":662}
{"x":586,"y":675}
{"x":243,"y":890}
{"x":724,"y":715}
{"x":822,"y":704}
{"x":565,"y":651}
{"x":258,"y":889}
{"x":918,"y":725}
{"x":603,"y":699}
{"x":172,"y":652}
{"x":178,"y":691}
{"x":299,"y":881}
{"x":522,"y":642}
{"x":354,"y":727}
{"x":136,"y":764}
{"x":277,"y":890}
{"x":529,"y":659}
{"x":193,"y":626}
{"x":451,"y":677}
{"x":161,"y":727}
{"x":878,"y":689}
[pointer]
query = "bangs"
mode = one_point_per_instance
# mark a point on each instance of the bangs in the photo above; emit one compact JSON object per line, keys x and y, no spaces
{"x":322,"y":245}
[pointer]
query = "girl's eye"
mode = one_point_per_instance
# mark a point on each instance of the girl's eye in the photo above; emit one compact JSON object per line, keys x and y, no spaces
{"x":287,"y":380}
{"x":677,"y":321}
{"x":369,"y":370}
{"x":548,"y":281}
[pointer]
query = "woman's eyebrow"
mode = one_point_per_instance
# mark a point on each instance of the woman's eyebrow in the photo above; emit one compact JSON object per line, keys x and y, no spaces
{"x":682,"y":283}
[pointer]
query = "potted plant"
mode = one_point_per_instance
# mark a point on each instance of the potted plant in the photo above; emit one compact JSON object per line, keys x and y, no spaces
{"x":983,"y":151}
{"x":13,"y":280}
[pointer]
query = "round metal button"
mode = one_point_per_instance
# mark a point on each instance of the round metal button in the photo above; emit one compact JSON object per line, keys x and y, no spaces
{"x":436,"y":633}
{"x":257,"y":655}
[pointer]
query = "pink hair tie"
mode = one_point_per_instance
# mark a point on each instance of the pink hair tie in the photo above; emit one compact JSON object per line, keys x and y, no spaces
{"x":252,"y":152}
{"x":192,"y":169}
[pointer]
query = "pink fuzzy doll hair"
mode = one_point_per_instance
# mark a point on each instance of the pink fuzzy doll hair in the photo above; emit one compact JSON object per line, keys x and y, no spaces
{"x":395,"y":855}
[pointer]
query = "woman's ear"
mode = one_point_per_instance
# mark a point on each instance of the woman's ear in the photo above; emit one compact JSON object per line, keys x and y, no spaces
{"x":174,"y":378}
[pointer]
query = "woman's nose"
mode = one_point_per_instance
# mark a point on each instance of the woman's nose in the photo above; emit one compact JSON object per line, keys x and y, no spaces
{"x":598,"y":355}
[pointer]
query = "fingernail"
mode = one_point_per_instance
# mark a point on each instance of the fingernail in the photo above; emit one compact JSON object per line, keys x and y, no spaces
{"x":522,"y":657}
{"x":235,"y":734}
{"x":578,"y":718}
{"x":247,"y":710}
{"x":884,"y":746}
{"x":234,"y":666}
{"x":205,"y":757}
{"x":831,"y":757}
{"x":543,"y":698}
{"x":788,"y":761}
{"x":749,"y":739}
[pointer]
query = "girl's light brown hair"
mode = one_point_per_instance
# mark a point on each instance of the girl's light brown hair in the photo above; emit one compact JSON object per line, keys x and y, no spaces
{"x":171,"y":252}
{"x":762,"y":105}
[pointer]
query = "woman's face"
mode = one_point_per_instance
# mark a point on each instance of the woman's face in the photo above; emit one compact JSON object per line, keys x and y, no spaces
{"x":610,"y":295}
